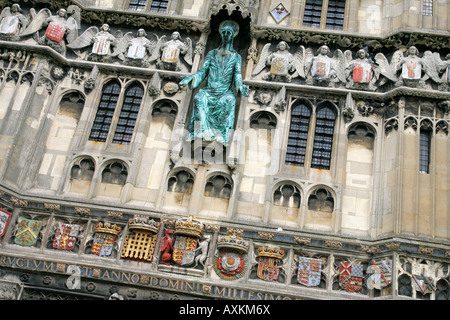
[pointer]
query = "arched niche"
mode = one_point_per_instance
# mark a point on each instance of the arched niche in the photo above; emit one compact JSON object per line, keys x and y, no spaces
{"x":113,"y":179}
{"x":81,"y":174}
{"x":179,"y":189}
{"x":357,"y":193}
{"x":286,"y":201}
{"x":320,"y":209}
{"x":59,"y":140}
{"x":216,"y":195}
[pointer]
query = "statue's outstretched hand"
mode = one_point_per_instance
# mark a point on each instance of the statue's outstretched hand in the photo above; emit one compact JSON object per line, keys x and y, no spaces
{"x":245,"y":91}
{"x":185,"y":80}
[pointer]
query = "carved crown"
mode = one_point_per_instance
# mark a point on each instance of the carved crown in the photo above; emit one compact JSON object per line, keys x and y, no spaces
{"x":233,"y":242}
{"x":143,"y":223}
{"x":107,"y":228}
{"x":189,"y":227}
{"x":270,"y":252}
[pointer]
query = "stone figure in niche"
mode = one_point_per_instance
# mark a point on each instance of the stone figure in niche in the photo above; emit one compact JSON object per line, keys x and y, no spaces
{"x":100,"y":40}
{"x":214,"y":105}
{"x":167,"y":54}
{"x":58,"y":27}
{"x":12,"y":22}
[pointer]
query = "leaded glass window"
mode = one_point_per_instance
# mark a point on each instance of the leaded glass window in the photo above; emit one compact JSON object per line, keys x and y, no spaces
{"x":159,"y":6}
{"x":425,"y":147}
{"x":105,"y":112}
{"x":128,"y":114}
{"x":335,"y":15}
{"x":138,"y":5}
{"x":427,"y":8}
{"x":323,"y":139}
{"x":298,"y":136}
{"x":312,"y":14}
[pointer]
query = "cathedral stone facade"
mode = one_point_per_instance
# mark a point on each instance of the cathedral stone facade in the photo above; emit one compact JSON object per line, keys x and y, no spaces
{"x":333,"y":182}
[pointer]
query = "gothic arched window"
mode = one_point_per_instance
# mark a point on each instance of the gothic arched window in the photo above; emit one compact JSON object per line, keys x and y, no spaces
{"x":105,"y":112}
{"x":128,"y":114}
{"x":298,"y":135}
{"x":323,"y":138}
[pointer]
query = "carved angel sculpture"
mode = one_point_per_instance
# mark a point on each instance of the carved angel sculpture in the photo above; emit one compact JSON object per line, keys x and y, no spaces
{"x":167,"y":53}
{"x":323,"y":69}
{"x":411,"y":70}
{"x":280,"y":62}
{"x":360,"y":72}
{"x":101,"y":41}
{"x":12,"y":22}
{"x":58,"y":27}
{"x":134,"y":50}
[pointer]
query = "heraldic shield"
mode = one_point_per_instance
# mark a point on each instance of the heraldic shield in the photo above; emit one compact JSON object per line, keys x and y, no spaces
{"x":184,"y":250}
{"x":309,"y":270}
{"x":5,"y":216}
{"x":231,"y":259}
{"x":381,"y":274}
{"x":105,"y":235}
{"x":66,"y":236}
{"x":351,"y":276}
{"x":423,"y":283}
{"x":55,"y":31}
{"x":187,"y":232}
{"x":269,"y":263}
{"x":27,"y":232}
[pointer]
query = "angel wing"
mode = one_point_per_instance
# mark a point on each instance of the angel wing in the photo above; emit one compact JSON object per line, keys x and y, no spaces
{"x":84,"y":40}
{"x":348,"y":57}
{"x":75,"y":13}
{"x":432,"y":63}
{"x":385,"y":68}
{"x":396,"y":60}
{"x":157,"y":51}
{"x":299,"y":62}
{"x":6,"y":12}
{"x":188,"y":55}
{"x":72,"y":29}
{"x":37,"y":23}
{"x":122,"y":44}
{"x":339,"y":65}
{"x":262,"y":59}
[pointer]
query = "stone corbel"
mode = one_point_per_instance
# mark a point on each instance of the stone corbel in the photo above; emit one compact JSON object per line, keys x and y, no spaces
{"x":280,"y":100}
{"x":154,"y":88}
{"x":349,"y":109}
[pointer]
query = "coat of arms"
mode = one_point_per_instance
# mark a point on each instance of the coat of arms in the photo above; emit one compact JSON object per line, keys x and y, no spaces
{"x":105,"y":235}
{"x":27,"y":232}
{"x":140,"y":240}
{"x":381,"y":274}
{"x":55,"y":31}
{"x":66,"y":236}
{"x":5,"y":216}
{"x":412,"y":69}
{"x":362,"y":72}
{"x":321,"y":68}
{"x":231,"y":260}
{"x":9,"y":25}
{"x":351,"y":276}
{"x":184,"y":250}
{"x":101,"y":45}
{"x":269,"y":263}
{"x":309,"y":271}
{"x":187,"y":232}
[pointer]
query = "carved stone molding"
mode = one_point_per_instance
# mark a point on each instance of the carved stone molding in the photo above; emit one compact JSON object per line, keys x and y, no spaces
{"x":395,"y":40}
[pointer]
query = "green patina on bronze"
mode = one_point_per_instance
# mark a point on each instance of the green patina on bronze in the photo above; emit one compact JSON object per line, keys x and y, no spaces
{"x":214,"y":106}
